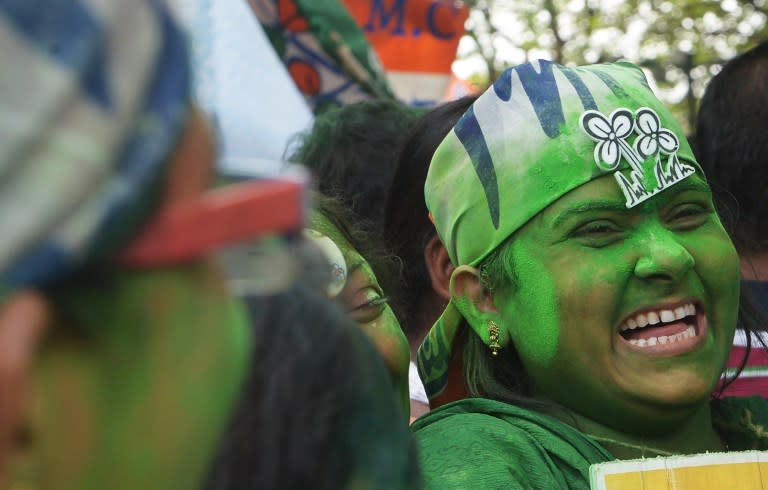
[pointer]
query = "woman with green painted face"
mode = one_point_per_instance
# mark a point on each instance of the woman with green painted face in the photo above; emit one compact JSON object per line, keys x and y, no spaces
{"x":356,"y":287}
{"x":596,"y":292}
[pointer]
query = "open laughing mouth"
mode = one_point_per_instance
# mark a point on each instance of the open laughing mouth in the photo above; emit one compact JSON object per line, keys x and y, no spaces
{"x":665,"y":330}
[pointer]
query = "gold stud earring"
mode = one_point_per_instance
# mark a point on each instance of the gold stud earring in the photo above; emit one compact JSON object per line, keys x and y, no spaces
{"x":493,"y":338}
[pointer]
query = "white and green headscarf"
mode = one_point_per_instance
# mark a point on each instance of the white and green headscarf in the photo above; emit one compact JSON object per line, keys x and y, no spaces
{"x":540,"y":131}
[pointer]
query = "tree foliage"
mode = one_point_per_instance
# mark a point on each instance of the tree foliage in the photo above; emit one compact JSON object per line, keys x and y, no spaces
{"x":682,"y":43}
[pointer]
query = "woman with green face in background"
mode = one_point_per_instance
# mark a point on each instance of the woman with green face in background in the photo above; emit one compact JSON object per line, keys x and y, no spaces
{"x":596,"y":292}
{"x":356,"y":288}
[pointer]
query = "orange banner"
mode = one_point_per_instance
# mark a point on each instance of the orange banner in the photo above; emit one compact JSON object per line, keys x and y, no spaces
{"x":412,"y":35}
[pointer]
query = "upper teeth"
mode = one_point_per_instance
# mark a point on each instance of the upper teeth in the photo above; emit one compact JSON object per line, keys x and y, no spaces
{"x":653,"y":317}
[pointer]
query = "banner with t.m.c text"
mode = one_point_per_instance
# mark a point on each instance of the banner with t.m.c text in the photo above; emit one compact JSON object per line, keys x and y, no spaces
{"x":416,"y":41}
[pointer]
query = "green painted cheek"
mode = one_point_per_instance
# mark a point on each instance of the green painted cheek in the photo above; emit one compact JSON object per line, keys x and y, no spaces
{"x":159,"y":358}
{"x":722,"y":278}
{"x":535,"y":322}
{"x":390,"y":341}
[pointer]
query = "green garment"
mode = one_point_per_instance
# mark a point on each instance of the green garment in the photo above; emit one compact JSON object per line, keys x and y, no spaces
{"x":479,"y":444}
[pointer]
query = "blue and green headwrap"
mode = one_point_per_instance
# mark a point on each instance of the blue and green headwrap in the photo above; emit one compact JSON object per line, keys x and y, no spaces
{"x":92,"y":99}
{"x":540,"y":131}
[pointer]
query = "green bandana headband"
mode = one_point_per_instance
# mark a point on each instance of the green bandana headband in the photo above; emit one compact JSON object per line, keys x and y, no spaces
{"x":539,"y":132}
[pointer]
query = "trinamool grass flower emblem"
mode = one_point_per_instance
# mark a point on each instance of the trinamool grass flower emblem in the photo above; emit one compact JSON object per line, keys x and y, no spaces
{"x":609,"y":133}
{"x":652,"y":138}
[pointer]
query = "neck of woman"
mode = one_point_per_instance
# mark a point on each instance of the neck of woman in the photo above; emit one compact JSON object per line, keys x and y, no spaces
{"x":693,"y":435}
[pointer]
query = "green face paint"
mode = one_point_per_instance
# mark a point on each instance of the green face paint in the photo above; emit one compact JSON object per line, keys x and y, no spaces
{"x":364,"y":301}
{"x":135,"y":381}
{"x":539,"y":132}
{"x":536,"y":281}
{"x":589,"y":268}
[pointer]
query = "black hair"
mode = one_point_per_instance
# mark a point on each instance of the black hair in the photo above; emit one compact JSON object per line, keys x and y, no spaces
{"x":351,"y":152}
{"x":361,"y":236}
{"x":752,"y":317}
{"x":731,"y":144}
{"x":407,"y":228}
{"x":732,"y":150}
{"x":318,"y":409}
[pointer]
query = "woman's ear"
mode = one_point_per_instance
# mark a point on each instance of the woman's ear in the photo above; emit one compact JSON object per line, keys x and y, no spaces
{"x":466,"y":284}
{"x":477,"y":305}
{"x":439,"y":266}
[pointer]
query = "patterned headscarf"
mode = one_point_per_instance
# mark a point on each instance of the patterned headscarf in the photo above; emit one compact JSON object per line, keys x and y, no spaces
{"x":539,"y":132}
{"x":93,"y":97}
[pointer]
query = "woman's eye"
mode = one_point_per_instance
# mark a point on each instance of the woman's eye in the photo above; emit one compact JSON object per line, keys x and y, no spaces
{"x":593,"y":228}
{"x":366,"y":305}
{"x":689,"y":215}
{"x":597,"y":233}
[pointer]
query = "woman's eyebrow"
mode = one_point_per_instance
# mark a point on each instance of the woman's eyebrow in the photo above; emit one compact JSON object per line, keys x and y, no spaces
{"x":608,"y":205}
{"x":589,"y":206}
{"x":692,"y":185}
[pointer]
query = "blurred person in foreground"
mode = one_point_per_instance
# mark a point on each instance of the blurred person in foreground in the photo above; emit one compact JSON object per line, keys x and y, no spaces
{"x":118,"y":368}
{"x":124,"y":355}
{"x":733,"y":151}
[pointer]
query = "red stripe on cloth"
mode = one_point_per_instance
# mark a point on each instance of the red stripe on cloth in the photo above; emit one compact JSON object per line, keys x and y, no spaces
{"x":758,"y":357}
{"x":748,"y":387}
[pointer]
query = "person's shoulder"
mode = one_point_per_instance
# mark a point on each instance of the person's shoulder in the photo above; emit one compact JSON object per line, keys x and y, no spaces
{"x":477,"y":443}
{"x":446,"y":425}
{"x":460,"y":448}
{"x":468,"y":416}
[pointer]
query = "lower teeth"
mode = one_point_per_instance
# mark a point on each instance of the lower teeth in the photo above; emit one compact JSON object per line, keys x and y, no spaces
{"x":687,"y":333}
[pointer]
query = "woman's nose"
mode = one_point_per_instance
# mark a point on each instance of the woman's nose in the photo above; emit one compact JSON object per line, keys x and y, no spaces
{"x":663,"y":257}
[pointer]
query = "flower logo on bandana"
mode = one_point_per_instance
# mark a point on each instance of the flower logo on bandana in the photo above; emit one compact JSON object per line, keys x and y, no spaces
{"x":652,"y":137}
{"x":609,"y":133}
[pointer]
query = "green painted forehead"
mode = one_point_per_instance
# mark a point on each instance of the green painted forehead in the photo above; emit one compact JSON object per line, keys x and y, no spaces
{"x":539,"y":132}
{"x":320,"y":223}
{"x":341,"y":255}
